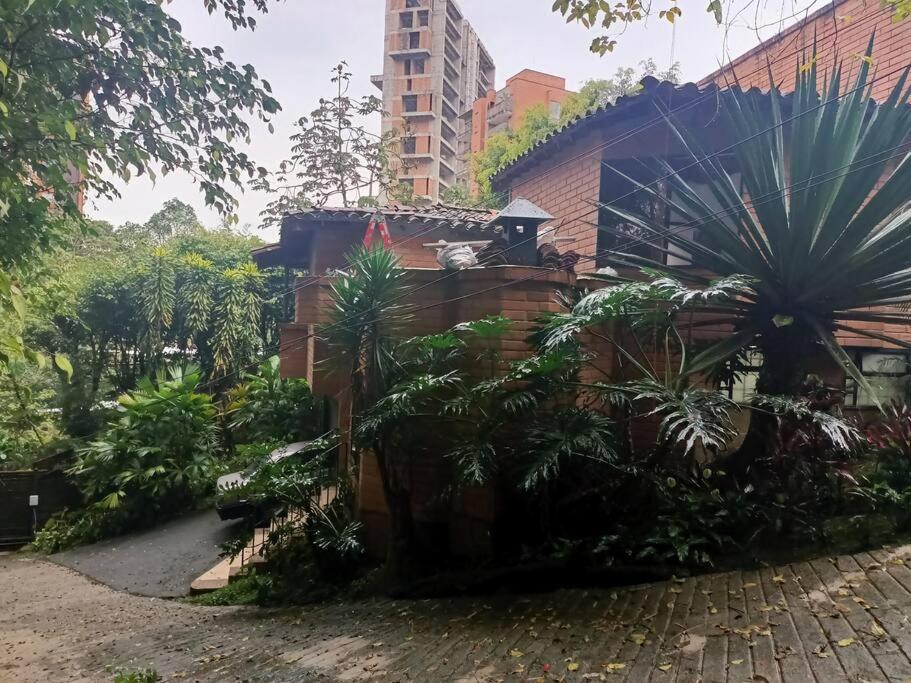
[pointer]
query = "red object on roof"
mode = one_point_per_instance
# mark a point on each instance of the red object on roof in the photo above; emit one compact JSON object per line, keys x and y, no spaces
{"x":378,"y":223}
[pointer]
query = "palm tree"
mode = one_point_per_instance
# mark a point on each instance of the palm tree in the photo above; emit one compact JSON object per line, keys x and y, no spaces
{"x":825,"y":238}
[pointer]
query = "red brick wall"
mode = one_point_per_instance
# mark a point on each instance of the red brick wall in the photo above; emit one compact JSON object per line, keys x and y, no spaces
{"x":568,"y":194}
{"x":841,"y":32}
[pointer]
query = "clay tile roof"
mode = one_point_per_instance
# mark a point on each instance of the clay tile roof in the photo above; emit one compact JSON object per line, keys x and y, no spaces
{"x":441,"y":214}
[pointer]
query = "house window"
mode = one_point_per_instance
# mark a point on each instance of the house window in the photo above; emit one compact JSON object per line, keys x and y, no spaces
{"x":407,"y":67}
{"x":414,"y":40}
{"x":424,"y":18}
{"x":685,"y":228}
{"x":742,"y":384}
{"x":406,"y":19}
{"x":615,"y":234}
{"x":887,"y":372}
{"x":409,"y":145}
{"x":412,"y":3}
{"x":417,"y":65}
{"x":410,"y":102}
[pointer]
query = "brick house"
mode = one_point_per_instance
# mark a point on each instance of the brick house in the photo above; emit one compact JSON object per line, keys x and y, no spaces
{"x":570,"y":173}
{"x":567,"y":175}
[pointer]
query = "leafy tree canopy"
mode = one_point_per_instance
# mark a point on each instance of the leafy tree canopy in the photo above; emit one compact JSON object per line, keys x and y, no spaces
{"x":334,"y":157}
{"x":92,"y":90}
{"x":616,"y":17}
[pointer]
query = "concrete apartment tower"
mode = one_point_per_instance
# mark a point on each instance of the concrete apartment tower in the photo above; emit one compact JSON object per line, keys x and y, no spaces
{"x":434,"y":68}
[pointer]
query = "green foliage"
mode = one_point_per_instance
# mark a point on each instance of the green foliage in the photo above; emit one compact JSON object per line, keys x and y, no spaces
{"x":136,"y":676}
{"x":458,"y":195}
{"x":236,"y":318}
{"x":364,"y":317}
{"x":266,"y":406}
{"x":888,"y":486}
{"x":158,"y":457}
{"x":26,"y":423}
{"x":503,"y":148}
{"x":248,"y":589}
{"x":173,"y":220}
{"x":314,"y":532}
{"x":597,"y":93}
{"x":92,"y":91}
{"x":120,"y":311}
{"x":617,"y":17}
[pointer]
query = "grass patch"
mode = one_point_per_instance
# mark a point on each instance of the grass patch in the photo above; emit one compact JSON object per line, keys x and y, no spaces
{"x":245,"y":590}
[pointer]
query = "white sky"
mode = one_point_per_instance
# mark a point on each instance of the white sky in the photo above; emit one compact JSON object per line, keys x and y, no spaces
{"x":296,"y":44}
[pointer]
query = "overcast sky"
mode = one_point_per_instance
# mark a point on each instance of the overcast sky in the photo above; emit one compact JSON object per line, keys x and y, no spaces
{"x":297,"y":43}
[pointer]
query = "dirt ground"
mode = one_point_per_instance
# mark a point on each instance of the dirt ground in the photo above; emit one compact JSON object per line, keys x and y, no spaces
{"x":832,"y":619}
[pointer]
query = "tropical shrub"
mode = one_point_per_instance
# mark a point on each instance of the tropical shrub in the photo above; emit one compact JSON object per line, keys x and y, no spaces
{"x":267,"y":406}
{"x":886,"y":488}
{"x":157,"y":458}
{"x":889,"y":439}
{"x":315,"y":543}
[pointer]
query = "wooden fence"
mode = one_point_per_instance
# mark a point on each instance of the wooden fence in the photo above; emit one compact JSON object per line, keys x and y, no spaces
{"x":18,"y":518}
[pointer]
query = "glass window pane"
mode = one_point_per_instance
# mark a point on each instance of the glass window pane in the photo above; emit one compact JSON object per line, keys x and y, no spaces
{"x":884,"y":363}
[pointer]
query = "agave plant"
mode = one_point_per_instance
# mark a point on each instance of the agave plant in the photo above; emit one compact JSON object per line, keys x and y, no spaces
{"x":824,"y":237}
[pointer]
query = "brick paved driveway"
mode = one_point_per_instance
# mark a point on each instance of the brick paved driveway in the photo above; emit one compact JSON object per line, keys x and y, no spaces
{"x":844,"y":619}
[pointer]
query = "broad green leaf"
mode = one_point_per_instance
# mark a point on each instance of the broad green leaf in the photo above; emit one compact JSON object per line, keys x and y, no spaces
{"x":64,"y":364}
{"x":70,"y":128}
{"x":18,"y":301}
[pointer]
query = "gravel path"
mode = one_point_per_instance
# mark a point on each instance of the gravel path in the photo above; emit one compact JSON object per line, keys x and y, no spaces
{"x":159,"y":562}
{"x":831,"y":620}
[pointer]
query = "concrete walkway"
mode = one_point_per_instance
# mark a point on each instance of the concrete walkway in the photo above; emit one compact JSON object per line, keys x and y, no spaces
{"x":159,"y":562}
{"x":840,"y":619}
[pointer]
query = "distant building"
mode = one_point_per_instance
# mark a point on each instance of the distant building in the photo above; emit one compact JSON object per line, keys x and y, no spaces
{"x":503,"y":109}
{"x":434,"y":68}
